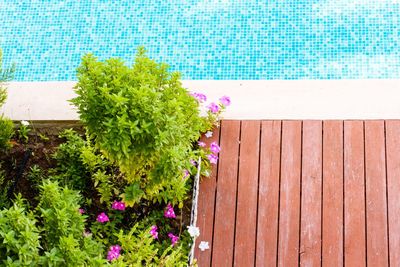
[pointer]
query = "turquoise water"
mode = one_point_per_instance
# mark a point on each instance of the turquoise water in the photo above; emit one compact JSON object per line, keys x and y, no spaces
{"x":211,"y":39}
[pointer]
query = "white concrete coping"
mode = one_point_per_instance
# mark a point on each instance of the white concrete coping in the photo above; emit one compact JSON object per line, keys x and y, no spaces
{"x":251,"y":99}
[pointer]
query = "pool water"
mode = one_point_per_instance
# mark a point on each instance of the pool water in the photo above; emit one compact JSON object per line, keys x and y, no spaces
{"x":221,"y":40}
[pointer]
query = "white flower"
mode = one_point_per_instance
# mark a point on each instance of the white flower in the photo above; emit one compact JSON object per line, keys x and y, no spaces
{"x":208,"y":134}
{"x":25,"y":123}
{"x":203,"y":245}
{"x":193,"y":231}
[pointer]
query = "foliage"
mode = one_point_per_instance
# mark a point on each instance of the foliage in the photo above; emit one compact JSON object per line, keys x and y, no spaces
{"x":19,"y":236}
{"x":51,"y":237}
{"x":4,"y":187}
{"x":144,"y":120}
{"x":35,"y":175}
{"x":6,"y":125}
{"x":63,"y":227}
{"x":80,"y":164}
{"x":140,"y":249}
{"x":70,"y":169}
{"x":6,"y":132}
{"x":23,"y":131}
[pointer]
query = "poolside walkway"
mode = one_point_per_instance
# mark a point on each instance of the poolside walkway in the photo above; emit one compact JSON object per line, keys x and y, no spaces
{"x":303,"y":192}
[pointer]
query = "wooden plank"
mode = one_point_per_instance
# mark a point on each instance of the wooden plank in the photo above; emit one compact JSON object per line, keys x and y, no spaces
{"x":268,"y":194}
{"x":393,"y":187}
{"x":246,"y":212}
{"x":354,"y":194}
{"x":311,"y":194}
{"x":225,"y":209}
{"x":289,"y":213}
{"x":332,"y":215}
{"x":205,"y":208}
{"x":375,"y":186}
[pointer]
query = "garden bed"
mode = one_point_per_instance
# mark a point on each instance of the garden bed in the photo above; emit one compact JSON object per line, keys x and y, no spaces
{"x":117,"y":188}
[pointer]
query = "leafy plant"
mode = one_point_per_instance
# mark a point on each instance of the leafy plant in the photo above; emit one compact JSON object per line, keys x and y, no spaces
{"x":23,"y":131}
{"x":4,"y":187}
{"x":6,"y":133}
{"x":141,"y":118}
{"x":6,"y":125}
{"x":19,"y":236}
{"x":35,"y":175}
{"x":141,"y":249}
{"x":51,"y":235}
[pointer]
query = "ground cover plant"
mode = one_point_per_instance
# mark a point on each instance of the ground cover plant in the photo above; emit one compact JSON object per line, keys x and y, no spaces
{"x":116,"y":189}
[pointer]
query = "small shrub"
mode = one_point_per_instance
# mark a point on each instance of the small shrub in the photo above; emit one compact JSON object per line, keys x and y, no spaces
{"x":6,"y":125}
{"x":51,"y":235}
{"x":19,"y":236}
{"x":6,"y":133}
{"x":142,"y":119}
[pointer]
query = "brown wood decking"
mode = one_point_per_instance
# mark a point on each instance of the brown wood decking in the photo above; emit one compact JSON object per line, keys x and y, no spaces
{"x":310,"y":193}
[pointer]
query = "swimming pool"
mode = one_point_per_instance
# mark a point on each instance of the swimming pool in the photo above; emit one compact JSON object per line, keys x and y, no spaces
{"x":213,"y":39}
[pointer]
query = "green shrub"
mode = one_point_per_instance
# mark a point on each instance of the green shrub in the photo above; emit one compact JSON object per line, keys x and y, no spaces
{"x":80,"y":164}
{"x":141,"y":249}
{"x":4,"y":187}
{"x":19,"y":236}
{"x":144,"y":120}
{"x":70,"y":169}
{"x":55,"y":239}
{"x":6,"y":133}
{"x":6,"y":125}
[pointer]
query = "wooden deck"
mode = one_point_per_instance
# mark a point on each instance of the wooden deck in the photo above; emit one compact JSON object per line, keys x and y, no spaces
{"x":309,"y":193}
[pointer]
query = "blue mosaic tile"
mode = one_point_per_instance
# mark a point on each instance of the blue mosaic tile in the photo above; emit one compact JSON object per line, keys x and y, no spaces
{"x":207,"y":39}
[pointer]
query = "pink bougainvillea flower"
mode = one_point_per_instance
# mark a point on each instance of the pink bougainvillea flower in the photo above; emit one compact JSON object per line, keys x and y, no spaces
{"x":81,"y":211}
{"x":199,"y":97}
{"x":212,"y":158}
{"x":174,"y":238}
{"x":153,"y":231}
{"x":185,"y":174}
{"x":225,"y":100}
{"x":102,"y":218}
{"x":214,"y":147}
{"x":118,"y":205}
{"x":214,"y":108}
{"x":201,"y":144}
{"x":114,"y":252}
{"x":169,"y":212}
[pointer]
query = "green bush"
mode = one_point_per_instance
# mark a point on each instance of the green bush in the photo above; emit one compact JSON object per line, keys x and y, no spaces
{"x":19,"y":236}
{"x":6,"y":125}
{"x":144,"y":120}
{"x":6,"y":132}
{"x":80,"y":165}
{"x":51,"y":235}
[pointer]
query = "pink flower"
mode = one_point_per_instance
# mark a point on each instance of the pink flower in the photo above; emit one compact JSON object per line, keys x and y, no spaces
{"x":201,"y":144}
{"x":185,"y":174}
{"x":212,"y":158}
{"x":225,"y":100}
{"x":214,"y":147}
{"x":102,"y":218}
{"x":169,"y":212}
{"x":214,"y":108}
{"x":118,"y":205}
{"x":174,"y":238}
{"x":114,"y":252}
{"x":153,"y":231}
{"x":81,"y":211}
{"x":199,"y":97}
{"x":193,"y":162}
